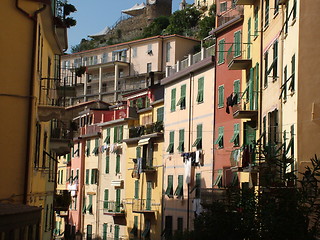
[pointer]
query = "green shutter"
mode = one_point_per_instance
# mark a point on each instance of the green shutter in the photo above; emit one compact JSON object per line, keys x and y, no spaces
{"x":118,"y":197}
{"x":221,"y":96}
{"x":251,"y":90}
{"x":160,"y":114}
{"x":138,"y":152}
{"x":182,"y":100}
{"x":118,"y":164}
{"x":173,"y":100}
{"x":181,"y":140}
{"x":139,"y":103}
{"x":256,"y":21}
{"x":136,"y":189}
{"x":287,"y":18}
{"x":115,"y":134}
{"x":200,"y":90}
{"x":87,"y":176}
{"x":107,"y":140}
{"x":266,"y":69}
{"x":89,"y":232}
{"x":275,"y":60}
{"x":236,"y":132}
{"x":294,"y":11}
{"x":116,"y":232}
{"x":107,"y":163}
{"x":149,"y":192}
{"x":120,"y":138}
{"x":105,"y":231}
{"x":169,"y":190}
{"x":221,"y":51}
{"x":256,"y":84}
{"x":171,"y":144}
{"x":179,"y":189}
{"x":198,"y":141}
{"x":89,"y":208}
{"x":237,"y":44}
{"x":236,"y":88}
{"x":106,"y":199}
{"x":88,"y":148}
{"x":284,"y":87}
{"x":249,"y":39}
{"x":266,"y":19}
{"x":93,"y":173}
{"x":293,"y":70}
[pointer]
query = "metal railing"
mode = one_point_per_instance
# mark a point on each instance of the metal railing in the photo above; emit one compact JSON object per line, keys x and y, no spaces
{"x":140,"y":205}
{"x":238,"y":51}
{"x":144,"y":130}
{"x":113,"y":207}
{"x":233,"y":12}
{"x":246,"y":101}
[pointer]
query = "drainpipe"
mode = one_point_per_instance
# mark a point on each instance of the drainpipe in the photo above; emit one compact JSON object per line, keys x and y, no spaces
{"x":31,"y":92}
{"x":214,"y":106}
{"x":261,"y":84}
{"x":189,"y":142}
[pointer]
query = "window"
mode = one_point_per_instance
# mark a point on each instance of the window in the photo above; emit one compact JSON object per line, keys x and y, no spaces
{"x":87,"y":176}
{"x":294,"y":10}
{"x":135,"y":226}
{"x":136,"y":189}
{"x":276,"y":7}
{"x":223,"y":7}
{"x":88,"y":148}
{"x":105,"y":231}
{"x":118,"y":197}
{"x":237,"y":43}
{"x":107,"y":163}
{"x":168,"y":47}
{"x":180,"y":224}
{"x":149,"y":195}
{"x":89,"y":208}
{"x":274,"y":66}
{"x":218,"y":181}
{"x":182,"y":100}
{"x":221,"y":51}
{"x":168,"y":227}
{"x":284,"y":85}
{"x":173,"y":100}
{"x":181,"y":140}
{"x":107,"y":139}
{"x":169,"y":190}
{"x":89,"y":232}
{"x":95,"y":150}
{"x":179,"y":189}
{"x":266,"y":55}
{"x":149,"y":67}
{"x":171,"y":144}
{"x":219,"y":139}
{"x":94,"y":176}
{"x":118,"y":163}
{"x":117,"y":134}
{"x":221,"y":96}
{"x":106,"y":199}
{"x":236,"y":133}
{"x":134,"y":52}
{"x":160,"y":114}
{"x":105,"y":58}
{"x":266,"y":17}
{"x":198,"y":142}
{"x":84,"y":206}
{"x":149,"y":48}
{"x":256,"y":21}
{"x":249,"y":39}
{"x":200,"y":90}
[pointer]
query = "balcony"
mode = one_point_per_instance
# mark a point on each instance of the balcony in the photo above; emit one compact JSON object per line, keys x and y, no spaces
{"x":62,"y":201}
{"x":66,"y":91}
{"x":245,"y":2}
{"x":237,"y":58}
{"x":143,"y":165}
{"x":61,"y":140}
{"x":47,"y":112}
{"x":234,"y":12}
{"x":139,"y":131}
{"x":113,"y":208}
{"x":210,"y":195}
{"x":122,"y":112}
{"x":89,"y":130}
{"x":145,"y":206}
{"x":247,"y":106}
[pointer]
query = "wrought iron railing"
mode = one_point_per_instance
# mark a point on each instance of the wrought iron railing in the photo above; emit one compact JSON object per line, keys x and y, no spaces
{"x":140,"y":205}
{"x":113,"y":207}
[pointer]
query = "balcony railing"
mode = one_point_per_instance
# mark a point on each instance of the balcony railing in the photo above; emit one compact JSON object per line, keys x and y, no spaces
{"x":145,"y":205}
{"x":246,"y":106}
{"x":210,"y":195}
{"x":238,"y":58}
{"x":230,"y":14}
{"x":144,"y":165}
{"x":62,"y":201}
{"x":113,"y":208}
{"x":61,"y":137}
{"x":90,"y":130}
{"x":124,"y":112}
{"x":139,"y":131}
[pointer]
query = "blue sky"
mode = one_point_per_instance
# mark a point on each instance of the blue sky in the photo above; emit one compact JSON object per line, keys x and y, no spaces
{"x":94,"y":15}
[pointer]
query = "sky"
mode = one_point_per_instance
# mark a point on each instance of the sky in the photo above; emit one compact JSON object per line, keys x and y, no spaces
{"x":94,"y":15}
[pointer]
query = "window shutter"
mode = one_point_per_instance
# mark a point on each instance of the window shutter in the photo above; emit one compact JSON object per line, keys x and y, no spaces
{"x":181,"y":140}
{"x":236,"y":87}
{"x":106,"y":199}
{"x":237,"y":43}
{"x":221,"y":51}
{"x":200,"y":90}
{"x":198,"y":185}
{"x":275,"y":60}
{"x":266,"y":69}
{"x":251,"y":89}
{"x":221,"y":96}
{"x":138,"y":152}
{"x":160,"y":114}
{"x":118,"y":196}
{"x":120,"y":133}
{"x":136,"y":189}
{"x":285,"y":76}
{"x":293,"y":70}
{"x":256,"y":21}
{"x":87,"y":176}
{"x":107,"y":163}
{"x":173,"y":100}
{"x":149,"y":192}
{"x":249,"y":39}
{"x":105,"y":231}
{"x":115,"y":134}
{"x":118,"y":164}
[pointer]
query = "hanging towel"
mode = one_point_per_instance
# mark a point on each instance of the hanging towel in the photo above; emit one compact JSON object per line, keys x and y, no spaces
{"x":187,"y":171}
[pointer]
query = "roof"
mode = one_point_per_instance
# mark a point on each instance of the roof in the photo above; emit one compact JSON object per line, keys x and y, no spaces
{"x":87,"y":103}
{"x":133,"y":42}
{"x":10,"y":209}
{"x":136,"y":10}
{"x":197,"y":66}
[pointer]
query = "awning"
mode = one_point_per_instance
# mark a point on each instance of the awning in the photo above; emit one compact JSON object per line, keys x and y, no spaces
{"x":137,"y":9}
{"x":101,"y":33}
{"x":143,"y":141}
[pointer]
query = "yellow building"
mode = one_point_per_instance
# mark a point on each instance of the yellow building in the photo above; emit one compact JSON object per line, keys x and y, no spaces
{"x":144,"y":170}
{"x":32,"y":45}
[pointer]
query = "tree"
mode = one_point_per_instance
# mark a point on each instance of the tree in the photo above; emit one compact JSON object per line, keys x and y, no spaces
{"x":183,"y":22}
{"x":207,"y":23}
{"x":156,"y":27}
{"x":83,"y":45}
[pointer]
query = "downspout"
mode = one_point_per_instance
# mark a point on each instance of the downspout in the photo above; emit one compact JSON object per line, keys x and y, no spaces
{"x":214,"y":107}
{"x":31,"y":92}
{"x":261,"y":83}
{"x":189,"y":142}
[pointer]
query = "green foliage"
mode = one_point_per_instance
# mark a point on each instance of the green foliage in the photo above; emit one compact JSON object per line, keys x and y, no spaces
{"x":207,"y":23}
{"x":83,"y":45}
{"x":183,"y":22}
{"x":69,"y":22}
{"x":156,"y":27}
{"x":68,"y":9}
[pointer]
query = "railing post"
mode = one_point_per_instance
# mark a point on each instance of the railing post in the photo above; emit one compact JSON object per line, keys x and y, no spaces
{"x":190,"y":56}
{"x":178,"y":66}
{"x":168,"y":71}
{"x":202,"y":53}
